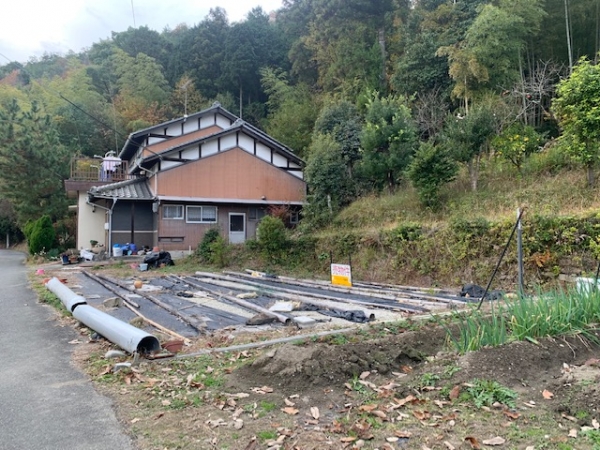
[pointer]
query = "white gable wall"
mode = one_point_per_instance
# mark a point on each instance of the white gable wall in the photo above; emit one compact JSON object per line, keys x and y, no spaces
{"x":279,"y":160}
{"x":174,"y":129}
{"x":223,"y":121}
{"x":169,"y":164}
{"x":207,"y":121}
{"x":210,"y":148}
{"x":190,"y":153}
{"x":263,"y":152}
{"x":154,"y":140}
{"x":228,"y":142}
{"x":246,"y":143}
{"x":189,"y":126}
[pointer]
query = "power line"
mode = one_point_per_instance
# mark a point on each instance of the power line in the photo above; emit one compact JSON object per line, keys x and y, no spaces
{"x":62,"y":97}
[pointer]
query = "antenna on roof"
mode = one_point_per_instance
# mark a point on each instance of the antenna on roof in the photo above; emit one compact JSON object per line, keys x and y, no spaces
{"x":184,"y":88}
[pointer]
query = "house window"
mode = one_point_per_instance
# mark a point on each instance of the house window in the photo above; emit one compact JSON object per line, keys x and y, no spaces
{"x":294,"y":217}
{"x":201,"y":214}
{"x":256,"y":213}
{"x":172,"y":212}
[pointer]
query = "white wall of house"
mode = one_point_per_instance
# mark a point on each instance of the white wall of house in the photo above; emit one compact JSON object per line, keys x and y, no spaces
{"x":90,"y":225}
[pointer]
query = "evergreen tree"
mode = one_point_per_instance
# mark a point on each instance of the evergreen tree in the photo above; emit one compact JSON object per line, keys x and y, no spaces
{"x":388,"y":141}
{"x":33,"y":164}
{"x":577,"y":111}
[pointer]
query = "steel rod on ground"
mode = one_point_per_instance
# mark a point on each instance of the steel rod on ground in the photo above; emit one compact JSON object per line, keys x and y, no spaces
{"x":280,"y":317}
{"x":106,"y":283}
{"x":196,"y":324}
{"x":251,"y":345}
{"x":395,"y":307}
{"x":366,"y":284}
{"x":156,"y":325}
{"x":323,"y":304}
{"x":353,"y":290}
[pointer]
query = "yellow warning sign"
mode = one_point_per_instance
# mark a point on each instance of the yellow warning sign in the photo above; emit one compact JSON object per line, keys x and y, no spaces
{"x":341,"y":275}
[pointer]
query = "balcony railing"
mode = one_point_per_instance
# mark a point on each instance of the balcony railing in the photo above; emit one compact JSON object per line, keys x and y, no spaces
{"x":105,"y":170}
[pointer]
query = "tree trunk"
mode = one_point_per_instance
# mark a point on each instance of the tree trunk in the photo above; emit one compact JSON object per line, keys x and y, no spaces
{"x":391,"y":183}
{"x":381,"y":38}
{"x":597,"y":46}
{"x":523,"y":93}
{"x":591,"y":176}
{"x":474,"y":172}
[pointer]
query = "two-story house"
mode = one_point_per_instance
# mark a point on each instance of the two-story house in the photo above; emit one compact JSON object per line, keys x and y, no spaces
{"x":174,"y":181}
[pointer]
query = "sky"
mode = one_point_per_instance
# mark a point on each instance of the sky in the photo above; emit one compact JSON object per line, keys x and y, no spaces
{"x":32,"y":28}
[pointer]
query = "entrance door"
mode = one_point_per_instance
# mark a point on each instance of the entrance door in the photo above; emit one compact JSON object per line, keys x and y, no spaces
{"x":237,"y":228}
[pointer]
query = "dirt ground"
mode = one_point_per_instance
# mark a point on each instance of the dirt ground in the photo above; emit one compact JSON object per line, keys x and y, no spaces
{"x":383,"y":386}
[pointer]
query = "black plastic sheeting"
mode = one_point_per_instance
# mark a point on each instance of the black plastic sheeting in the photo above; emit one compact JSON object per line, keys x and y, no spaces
{"x":357,"y":316}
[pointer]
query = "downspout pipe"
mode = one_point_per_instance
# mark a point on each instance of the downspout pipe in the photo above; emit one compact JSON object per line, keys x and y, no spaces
{"x":128,"y":337}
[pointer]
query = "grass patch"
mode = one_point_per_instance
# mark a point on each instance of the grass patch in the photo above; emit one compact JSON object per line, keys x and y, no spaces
{"x":266,"y":435}
{"x":565,"y":312}
{"x":46,"y":296}
{"x":488,"y":392}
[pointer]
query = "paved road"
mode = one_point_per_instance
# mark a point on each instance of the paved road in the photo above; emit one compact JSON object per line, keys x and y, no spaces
{"x":45,"y":403}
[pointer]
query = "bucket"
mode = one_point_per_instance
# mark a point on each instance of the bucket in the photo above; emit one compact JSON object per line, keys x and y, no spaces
{"x":117,"y":250}
{"x":133,"y":249}
{"x":143,"y":267}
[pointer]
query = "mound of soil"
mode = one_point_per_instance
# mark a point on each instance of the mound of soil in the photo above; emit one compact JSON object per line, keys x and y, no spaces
{"x":297,"y":367}
{"x":525,"y":367}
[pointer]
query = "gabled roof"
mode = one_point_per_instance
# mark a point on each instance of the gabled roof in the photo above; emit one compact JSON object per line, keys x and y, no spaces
{"x":136,"y":189}
{"x":135,"y":139}
{"x":238,"y":125}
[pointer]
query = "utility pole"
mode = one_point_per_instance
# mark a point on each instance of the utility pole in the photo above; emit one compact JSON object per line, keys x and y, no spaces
{"x":520,"y":252}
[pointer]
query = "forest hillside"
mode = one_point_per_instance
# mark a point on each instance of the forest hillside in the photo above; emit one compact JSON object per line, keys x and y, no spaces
{"x":415,"y":118}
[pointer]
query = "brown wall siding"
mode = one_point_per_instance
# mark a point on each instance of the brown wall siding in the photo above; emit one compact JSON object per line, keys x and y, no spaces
{"x":175,"y":141}
{"x":192,"y":233}
{"x":233,"y":174}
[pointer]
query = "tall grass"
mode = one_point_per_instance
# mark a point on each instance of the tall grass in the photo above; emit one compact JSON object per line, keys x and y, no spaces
{"x":557,"y":313}
{"x":477,"y":330}
{"x":500,"y":190}
{"x":561,"y":312}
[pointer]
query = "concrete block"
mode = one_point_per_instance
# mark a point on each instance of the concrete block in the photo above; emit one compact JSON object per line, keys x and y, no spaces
{"x":112,"y":302}
{"x":282,"y":307}
{"x":304,"y":321}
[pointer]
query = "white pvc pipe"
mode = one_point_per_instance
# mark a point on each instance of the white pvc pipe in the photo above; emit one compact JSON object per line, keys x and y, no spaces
{"x":126,"y":336}
{"x":69,"y":298}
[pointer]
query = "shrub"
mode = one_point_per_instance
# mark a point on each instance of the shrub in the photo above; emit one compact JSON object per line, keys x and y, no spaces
{"x":28,"y":228}
{"x":204,"y":251}
{"x":219,"y":252}
{"x":42,"y":236}
{"x":430,"y":168}
{"x":272,"y":237}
